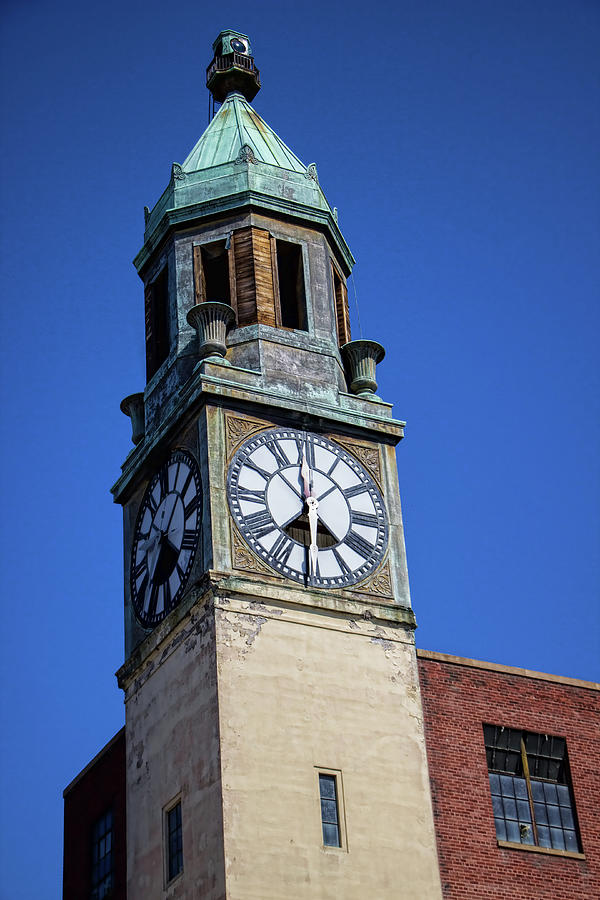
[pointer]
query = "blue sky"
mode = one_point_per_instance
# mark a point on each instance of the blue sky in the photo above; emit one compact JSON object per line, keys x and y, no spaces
{"x":459,"y":142}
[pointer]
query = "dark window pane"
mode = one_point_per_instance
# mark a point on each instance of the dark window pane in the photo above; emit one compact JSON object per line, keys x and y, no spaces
{"x":510,"y":808}
{"x":543,"y":836}
{"x":494,"y":783}
{"x":553,"y":815}
{"x":564,"y":797}
{"x":506,"y":785}
{"x":327,"y":786}
{"x":497,"y":806}
{"x":512,"y":831}
{"x":557,"y":838}
{"x":551,"y":793}
{"x":331,"y":835}
{"x":513,"y":762}
{"x":524,"y":811}
{"x":292,"y":298}
{"x":329,"y":811}
{"x":567,"y":817}
{"x":571,"y":841}
{"x":500,"y":829}
{"x":537,"y":789}
{"x":540,"y":813}
{"x":553,"y":769}
{"x":521,"y":789}
{"x":489,"y":735}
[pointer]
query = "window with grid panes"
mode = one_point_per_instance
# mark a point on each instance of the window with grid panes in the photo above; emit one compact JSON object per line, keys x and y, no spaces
{"x":329,"y":810}
{"x":174,"y":842}
{"x":102,"y":857}
{"x":531,"y":790}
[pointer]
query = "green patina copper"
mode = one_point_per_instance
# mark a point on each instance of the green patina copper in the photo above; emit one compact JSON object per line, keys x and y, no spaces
{"x":240,"y":161}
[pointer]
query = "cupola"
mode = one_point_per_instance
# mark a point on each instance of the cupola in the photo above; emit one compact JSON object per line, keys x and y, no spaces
{"x":232,"y":67}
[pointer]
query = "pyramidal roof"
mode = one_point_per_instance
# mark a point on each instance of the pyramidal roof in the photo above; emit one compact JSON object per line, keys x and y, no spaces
{"x":240,"y":162}
{"x":238,"y":125}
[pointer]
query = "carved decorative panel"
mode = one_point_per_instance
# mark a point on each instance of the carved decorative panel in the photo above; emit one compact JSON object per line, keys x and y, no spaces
{"x":367,"y":454}
{"x":244,"y":558}
{"x":379,"y":583}
{"x":238,"y":428}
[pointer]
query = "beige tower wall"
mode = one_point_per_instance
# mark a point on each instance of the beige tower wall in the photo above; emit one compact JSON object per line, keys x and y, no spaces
{"x":301,"y":690}
{"x":172,"y":745}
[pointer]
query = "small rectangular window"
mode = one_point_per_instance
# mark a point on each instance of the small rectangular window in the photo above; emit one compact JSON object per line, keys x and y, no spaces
{"x":174,"y":839}
{"x":211,"y":272}
{"x":330,"y":818}
{"x":102,"y":857}
{"x":290,"y":275}
{"x":531,"y":788}
{"x":157,"y":322}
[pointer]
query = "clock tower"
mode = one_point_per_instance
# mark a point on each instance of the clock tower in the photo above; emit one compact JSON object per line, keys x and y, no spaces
{"x":274,"y":733}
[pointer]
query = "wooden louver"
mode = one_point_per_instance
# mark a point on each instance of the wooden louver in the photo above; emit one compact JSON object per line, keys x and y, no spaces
{"x":342,"y":313}
{"x":254,"y":277}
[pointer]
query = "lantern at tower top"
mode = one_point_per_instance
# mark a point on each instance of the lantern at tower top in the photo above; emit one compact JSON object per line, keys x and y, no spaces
{"x":232,"y":67}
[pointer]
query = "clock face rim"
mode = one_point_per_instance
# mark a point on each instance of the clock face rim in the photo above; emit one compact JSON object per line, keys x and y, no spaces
{"x":344,"y":581}
{"x":137,"y":602}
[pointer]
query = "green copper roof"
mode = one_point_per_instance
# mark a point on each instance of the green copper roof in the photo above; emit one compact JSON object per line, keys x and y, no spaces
{"x":237,"y":125}
{"x":240,"y":162}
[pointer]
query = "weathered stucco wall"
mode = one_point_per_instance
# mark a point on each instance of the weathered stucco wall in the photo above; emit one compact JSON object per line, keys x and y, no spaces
{"x":299,"y":690}
{"x":173,"y":749}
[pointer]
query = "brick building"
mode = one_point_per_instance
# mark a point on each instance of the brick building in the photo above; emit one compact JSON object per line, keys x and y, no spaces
{"x":541,"y":833}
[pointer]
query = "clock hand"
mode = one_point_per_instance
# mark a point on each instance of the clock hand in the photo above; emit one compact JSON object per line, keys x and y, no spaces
{"x":305,"y":472}
{"x":313,"y":550}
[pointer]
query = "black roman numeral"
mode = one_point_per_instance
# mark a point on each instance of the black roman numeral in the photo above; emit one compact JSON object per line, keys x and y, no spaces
{"x":346,"y":570}
{"x":278,"y":453}
{"x":260,"y":523}
{"x":163,"y":479}
{"x":252,"y":496}
{"x":192,"y":506}
{"x":186,"y":483}
{"x":357,"y":543}
{"x":139,"y":569}
{"x":167,"y":590}
{"x":262,"y":472}
{"x":333,"y":465}
{"x":368,"y":519}
{"x":176,"y":476}
{"x":282,"y":548}
{"x":153,"y":601}
{"x":355,"y":490}
{"x":189,"y":539}
{"x":141,"y":592}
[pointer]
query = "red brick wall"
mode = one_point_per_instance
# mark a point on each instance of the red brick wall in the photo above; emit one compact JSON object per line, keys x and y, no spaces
{"x":99,"y":787}
{"x":457,"y":700}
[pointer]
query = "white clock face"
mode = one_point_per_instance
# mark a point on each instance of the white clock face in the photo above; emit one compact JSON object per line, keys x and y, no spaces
{"x":165,"y":539}
{"x":307,"y":508}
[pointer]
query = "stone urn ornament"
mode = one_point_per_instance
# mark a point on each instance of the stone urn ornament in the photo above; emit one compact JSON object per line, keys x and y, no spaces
{"x":133,"y":406}
{"x":211,"y":320}
{"x":361,"y":358}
